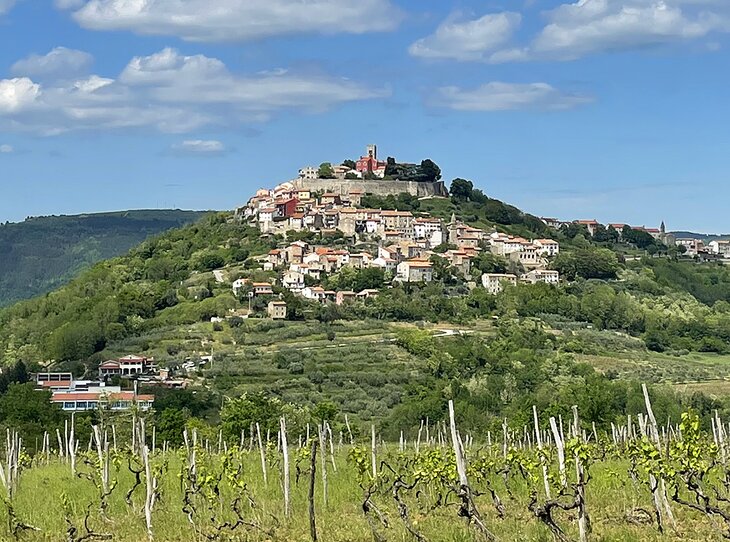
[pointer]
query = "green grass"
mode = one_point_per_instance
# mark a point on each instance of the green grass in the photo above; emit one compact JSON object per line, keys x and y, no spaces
{"x":610,"y":497}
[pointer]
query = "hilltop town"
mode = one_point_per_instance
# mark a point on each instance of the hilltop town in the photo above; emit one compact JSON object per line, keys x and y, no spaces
{"x":328,"y":242}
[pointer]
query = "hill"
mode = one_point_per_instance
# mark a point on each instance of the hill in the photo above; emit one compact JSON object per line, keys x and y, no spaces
{"x":397,"y":357}
{"x":43,"y":253}
{"x":707,"y":237}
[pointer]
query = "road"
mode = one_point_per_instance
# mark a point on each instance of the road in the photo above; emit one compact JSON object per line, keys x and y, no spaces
{"x":218,"y":274}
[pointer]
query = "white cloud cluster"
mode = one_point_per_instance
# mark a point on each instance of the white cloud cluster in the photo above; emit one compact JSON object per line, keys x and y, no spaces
{"x":498,"y":96}
{"x":170,"y":92}
{"x":60,"y":62}
{"x":577,"y":29}
{"x":200,"y":146}
{"x":468,"y":40}
{"x":234,"y":20}
{"x":6,"y":149}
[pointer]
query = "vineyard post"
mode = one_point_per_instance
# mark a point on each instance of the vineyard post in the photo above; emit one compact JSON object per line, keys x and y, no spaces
{"x":653,"y":431}
{"x":285,"y":451}
{"x":504,"y":438}
{"x":332,"y":445}
{"x":349,"y":430}
{"x":721,"y":438}
{"x":400,"y":442}
{"x":103,"y":460}
{"x":262,"y":453}
{"x":372,"y":451}
{"x":114,"y":437}
{"x":418,"y":440}
{"x":60,"y":444}
{"x":72,"y":446}
{"x":580,"y":484}
{"x":543,"y":461}
{"x":560,"y":446}
{"x":312,"y":481}
{"x":323,"y":460}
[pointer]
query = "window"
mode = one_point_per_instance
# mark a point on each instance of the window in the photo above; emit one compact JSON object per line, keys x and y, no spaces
{"x":69,"y":405}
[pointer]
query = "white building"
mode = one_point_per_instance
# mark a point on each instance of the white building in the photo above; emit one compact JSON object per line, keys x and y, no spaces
{"x":308,"y":172}
{"x":547,"y":247}
{"x":494,"y":282}
{"x":541,"y":275}
{"x":414,"y":271}
{"x":293,"y":280}
{"x":719,"y":247}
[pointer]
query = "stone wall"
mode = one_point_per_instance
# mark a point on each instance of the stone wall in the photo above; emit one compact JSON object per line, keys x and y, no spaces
{"x":380,"y":188}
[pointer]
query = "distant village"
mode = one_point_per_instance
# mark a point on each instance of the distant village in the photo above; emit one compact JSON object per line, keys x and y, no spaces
{"x":403,"y":245}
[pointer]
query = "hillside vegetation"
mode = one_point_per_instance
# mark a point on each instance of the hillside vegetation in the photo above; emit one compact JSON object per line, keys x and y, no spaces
{"x":623,"y":313}
{"x":43,"y":253}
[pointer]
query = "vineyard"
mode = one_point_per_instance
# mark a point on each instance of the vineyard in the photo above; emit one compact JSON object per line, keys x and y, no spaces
{"x":554,"y":480}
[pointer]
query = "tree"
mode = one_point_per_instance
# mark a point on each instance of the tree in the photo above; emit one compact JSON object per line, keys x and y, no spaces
{"x":171,"y":425}
{"x":349,"y":163}
{"x":325,"y":411}
{"x":588,"y":263}
{"x":238,"y":414}
{"x":326,"y":171}
{"x":29,"y":411}
{"x":429,"y":171}
{"x":209,"y":261}
{"x":461,"y":189}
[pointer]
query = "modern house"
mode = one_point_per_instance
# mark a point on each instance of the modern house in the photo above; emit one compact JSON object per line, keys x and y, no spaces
{"x":126,"y":366}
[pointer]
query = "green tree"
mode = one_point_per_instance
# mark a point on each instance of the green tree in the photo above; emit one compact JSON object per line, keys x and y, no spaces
{"x":326,"y":171}
{"x":429,"y":171}
{"x":238,"y":414}
{"x":461,"y":189}
{"x":349,"y":163}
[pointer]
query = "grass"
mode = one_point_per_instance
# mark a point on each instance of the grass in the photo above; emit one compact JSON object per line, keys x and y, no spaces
{"x":39,"y":501}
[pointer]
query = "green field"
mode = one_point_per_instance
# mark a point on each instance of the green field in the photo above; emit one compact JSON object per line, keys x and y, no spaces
{"x":424,"y":505}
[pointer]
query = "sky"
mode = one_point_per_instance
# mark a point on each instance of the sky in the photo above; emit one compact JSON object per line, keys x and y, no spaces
{"x":608,"y":109}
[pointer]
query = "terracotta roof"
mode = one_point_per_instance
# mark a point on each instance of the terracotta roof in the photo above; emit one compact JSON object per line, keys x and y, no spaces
{"x":56,"y":384}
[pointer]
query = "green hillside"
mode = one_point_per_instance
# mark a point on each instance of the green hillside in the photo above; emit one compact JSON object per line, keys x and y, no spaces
{"x":43,"y":253}
{"x":626,"y":315}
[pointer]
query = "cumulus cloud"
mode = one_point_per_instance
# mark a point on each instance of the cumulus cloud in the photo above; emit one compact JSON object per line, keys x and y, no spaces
{"x":468,"y":40}
{"x":498,"y":96}
{"x":577,"y":29}
{"x":200,"y":146}
{"x":59,"y":62}
{"x":171,"y":93}
{"x":592,"y":26}
{"x":6,"y":149}
{"x":235,"y":20}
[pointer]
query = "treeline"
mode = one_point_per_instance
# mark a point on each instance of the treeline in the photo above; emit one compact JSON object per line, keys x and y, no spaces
{"x":126,"y":296}
{"x":43,"y":253}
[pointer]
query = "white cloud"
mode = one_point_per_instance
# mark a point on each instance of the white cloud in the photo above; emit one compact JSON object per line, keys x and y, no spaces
{"x":60,"y":62}
{"x":6,"y":5}
{"x":577,"y":29}
{"x":592,"y":26}
{"x":498,"y":96}
{"x":200,"y":146}
{"x":235,"y":20}
{"x":171,"y":93}
{"x":17,"y":94}
{"x":6,"y":149}
{"x":468,"y":40}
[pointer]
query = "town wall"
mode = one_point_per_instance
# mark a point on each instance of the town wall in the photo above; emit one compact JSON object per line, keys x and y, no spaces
{"x":377,"y":187}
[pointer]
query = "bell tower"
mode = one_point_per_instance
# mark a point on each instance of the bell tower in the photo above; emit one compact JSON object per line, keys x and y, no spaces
{"x":372,"y":152}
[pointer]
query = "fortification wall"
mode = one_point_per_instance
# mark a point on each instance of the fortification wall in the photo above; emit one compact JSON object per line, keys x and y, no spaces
{"x":380,"y":188}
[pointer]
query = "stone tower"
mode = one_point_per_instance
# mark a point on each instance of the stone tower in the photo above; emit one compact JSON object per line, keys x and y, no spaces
{"x":372,"y":152}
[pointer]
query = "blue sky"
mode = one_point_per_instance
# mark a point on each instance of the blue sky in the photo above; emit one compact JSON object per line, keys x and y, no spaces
{"x":607,"y":109}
